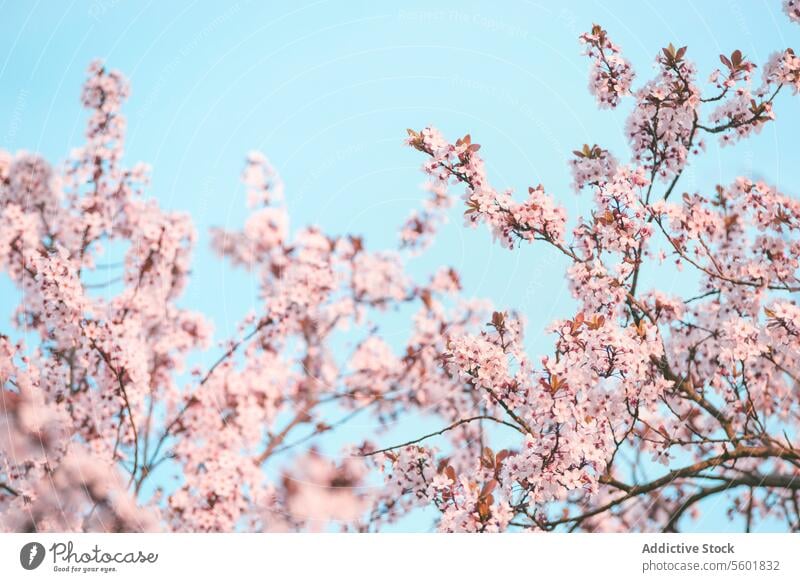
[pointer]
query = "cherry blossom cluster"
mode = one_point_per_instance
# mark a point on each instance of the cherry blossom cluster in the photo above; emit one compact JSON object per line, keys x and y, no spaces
{"x":696,"y":383}
{"x":104,"y":393}
{"x":738,"y":69}
{"x":792,"y":9}
{"x":611,"y":75}
{"x":661,"y":126}
{"x":478,"y":360}
{"x":591,"y":166}
{"x":53,"y":483}
{"x":743,"y":115}
{"x":421,"y":227}
{"x":782,"y":69}
{"x":538,"y":218}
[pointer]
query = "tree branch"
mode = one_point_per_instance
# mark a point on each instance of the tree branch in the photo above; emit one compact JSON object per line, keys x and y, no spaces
{"x":444,"y":430}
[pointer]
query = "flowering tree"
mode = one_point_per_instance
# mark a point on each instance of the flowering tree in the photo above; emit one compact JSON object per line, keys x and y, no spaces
{"x":106,"y":424}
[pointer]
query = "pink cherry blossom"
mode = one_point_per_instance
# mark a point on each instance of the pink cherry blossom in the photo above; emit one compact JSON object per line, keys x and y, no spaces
{"x":792,"y":9}
{"x":123,"y":410}
{"x":611,"y":75}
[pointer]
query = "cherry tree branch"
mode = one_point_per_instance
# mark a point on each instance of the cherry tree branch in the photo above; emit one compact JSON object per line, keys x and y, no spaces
{"x":442,"y":431}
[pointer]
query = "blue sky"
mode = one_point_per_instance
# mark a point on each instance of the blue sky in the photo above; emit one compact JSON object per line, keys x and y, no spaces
{"x":327,"y":89}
